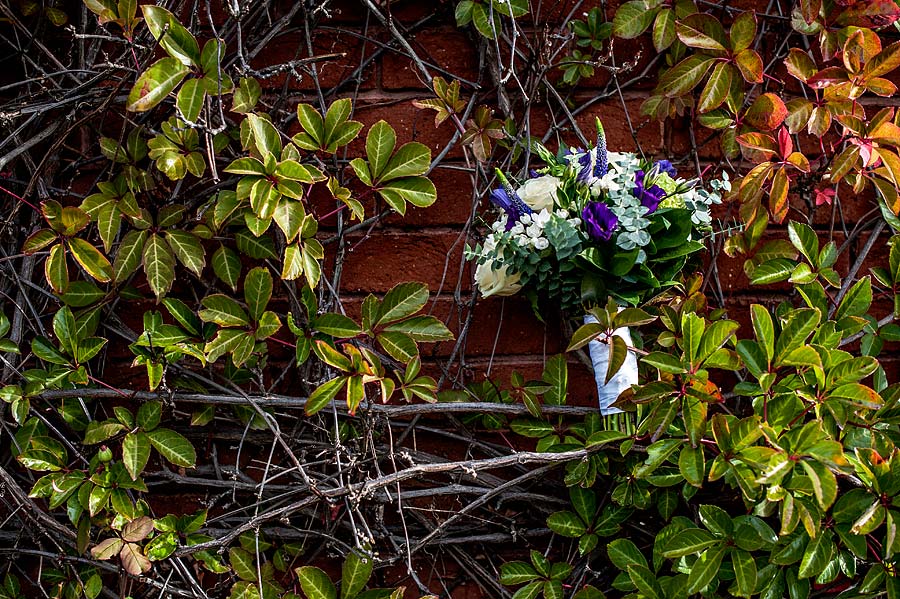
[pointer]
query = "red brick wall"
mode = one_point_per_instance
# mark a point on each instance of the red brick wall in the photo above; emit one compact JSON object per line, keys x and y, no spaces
{"x":427,"y":244}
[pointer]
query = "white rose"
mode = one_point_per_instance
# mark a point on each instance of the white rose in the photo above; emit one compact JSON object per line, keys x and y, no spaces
{"x":496,"y":282}
{"x":539,"y":193}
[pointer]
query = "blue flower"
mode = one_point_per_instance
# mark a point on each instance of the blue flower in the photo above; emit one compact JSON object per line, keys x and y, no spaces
{"x":599,"y":221}
{"x":602,"y":164}
{"x":507,"y":200}
{"x":664,"y":166}
{"x":650,"y":197}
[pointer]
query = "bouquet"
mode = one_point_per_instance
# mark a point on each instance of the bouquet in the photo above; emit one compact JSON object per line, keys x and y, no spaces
{"x":592,"y":224}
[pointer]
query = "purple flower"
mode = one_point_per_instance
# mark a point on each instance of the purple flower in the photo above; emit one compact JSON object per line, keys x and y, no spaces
{"x":509,"y":202}
{"x":664,"y":166}
{"x":586,"y":162}
{"x":650,"y":197}
{"x":599,"y":221}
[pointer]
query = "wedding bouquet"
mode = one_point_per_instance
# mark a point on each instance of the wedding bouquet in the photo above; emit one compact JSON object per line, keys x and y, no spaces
{"x":592,"y":224}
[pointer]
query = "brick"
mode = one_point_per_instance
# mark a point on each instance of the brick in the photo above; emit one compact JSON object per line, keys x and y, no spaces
{"x":291,"y":46}
{"x":615,"y":124}
{"x":451,"y":50}
{"x":376,"y":265}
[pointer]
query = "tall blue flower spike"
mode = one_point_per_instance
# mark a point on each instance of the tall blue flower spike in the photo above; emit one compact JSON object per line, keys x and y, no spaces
{"x":602,"y":164}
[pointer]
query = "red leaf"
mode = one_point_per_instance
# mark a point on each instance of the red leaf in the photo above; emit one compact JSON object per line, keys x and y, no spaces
{"x":824,"y":196}
{"x":767,"y":112}
{"x":785,"y":143}
{"x":868,"y":13}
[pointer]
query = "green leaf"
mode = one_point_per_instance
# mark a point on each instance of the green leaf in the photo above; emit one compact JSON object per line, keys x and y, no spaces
{"x":64,"y":329}
{"x":819,"y":552}
{"x":243,"y":563}
{"x":692,"y":465}
{"x":805,"y":240}
{"x":705,"y":569}
{"x":265,"y":136}
{"x":38,"y":241}
{"x":258,"y":248}
{"x":311,"y":121}
{"x":692,"y":34}
{"x":422,"y":328}
{"x":135,"y":453}
{"x":227,"y":266}
{"x":772,"y":271}
{"x":155,"y":84}
{"x":173,"y":446}
{"x":645,"y":581}
{"x":172,"y":35}
{"x":88,"y":348}
{"x":618,"y":352}
{"x":90,"y":258}
{"x":688,"y":542}
{"x":685,"y":76}
{"x":189,"y":99}
{"x":380,"y":143}
{"x":566,"y":524}
{"x":224,"y":311}
{"x":632,"y":19}
{"x":128,"y":256}
{"x":98,"y":432}
{"x":764,"y":329}
{"x":623,"y":553}
{"x":43,"y":349}
{"x":800,"y":324}
{"x":188,"y":249}
{"x":418,"y":191}
{"x":159,"y":265}
{"x":246,"y":95}
{"x":315,"y":583}
{"x":411,"y":159}
{"x":399,"y":346}
{"x":55,"y":269}
{"x":401,"y":301}
{"x":336,"y":325}
{"x":355,"y":574}
{"x":149,"y":415}
{"x":323,"y":395}
{"x":257,"y":291}
{"x":692,"y":328}
{"x":513,"y":573}
{"x":717,"y":87}
{"x":857,"y":301}
{"x":664,"y":29}
{"x":485,"y":21}
{"x":744,"y":572}
{"x":556,"y":375}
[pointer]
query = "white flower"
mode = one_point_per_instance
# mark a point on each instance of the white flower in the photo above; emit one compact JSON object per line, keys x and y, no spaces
{"x":541,"y":243}
{"x":542,"y":218}
{"x":606,"y":183}
{"x":539,"y":193}
{"x":496,"y":281}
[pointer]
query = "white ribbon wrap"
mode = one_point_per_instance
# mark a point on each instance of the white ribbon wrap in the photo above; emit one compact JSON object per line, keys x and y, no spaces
{"x":623,"y":379}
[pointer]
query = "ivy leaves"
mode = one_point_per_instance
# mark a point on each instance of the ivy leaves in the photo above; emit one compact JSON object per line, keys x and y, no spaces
{"x":395,"y":176}
{"x":65,"y":223}
{"x":163,"y":76}
{"x":241,"y":330}
{"x":391,"y":324}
